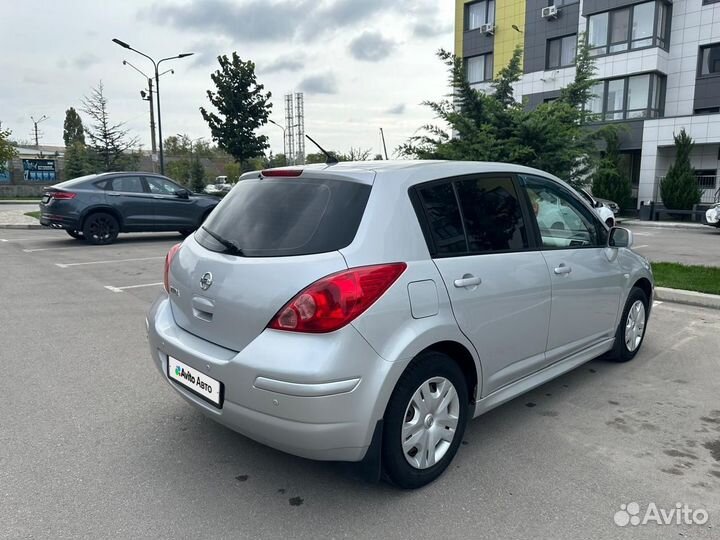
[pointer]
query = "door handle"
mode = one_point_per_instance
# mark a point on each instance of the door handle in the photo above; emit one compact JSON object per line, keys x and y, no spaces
{"x":563,"y":269}
{"x":114,"y":194}
{"x":467,"y":281}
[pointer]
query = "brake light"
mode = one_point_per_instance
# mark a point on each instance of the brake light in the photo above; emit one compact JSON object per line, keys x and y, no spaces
{"x":282,"y":172}
{"x":63,"y":195}
{"x":335,"y":300}
{"x":168,"y":261}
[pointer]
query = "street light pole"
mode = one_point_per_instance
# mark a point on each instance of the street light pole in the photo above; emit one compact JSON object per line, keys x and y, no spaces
{"x":156,"y":65}
{"x":149,"y":98}
{"x":284,"y":139}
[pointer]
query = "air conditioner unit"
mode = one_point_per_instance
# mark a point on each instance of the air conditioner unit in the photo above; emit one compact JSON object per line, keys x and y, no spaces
{"x":550,"y":12}
{"x":487,"y":29}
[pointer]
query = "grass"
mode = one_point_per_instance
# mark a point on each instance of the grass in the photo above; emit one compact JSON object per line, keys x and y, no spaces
{"x":704,"y":279}
{"x":28,"y":198}
{"x":36,"y":214}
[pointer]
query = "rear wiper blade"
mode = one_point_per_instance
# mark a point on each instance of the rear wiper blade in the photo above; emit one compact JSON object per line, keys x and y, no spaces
{"x":230,"y":247}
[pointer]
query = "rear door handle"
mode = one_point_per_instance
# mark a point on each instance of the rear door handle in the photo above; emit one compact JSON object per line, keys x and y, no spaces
{"x":467,"y":281}
{"x":563,"y":269}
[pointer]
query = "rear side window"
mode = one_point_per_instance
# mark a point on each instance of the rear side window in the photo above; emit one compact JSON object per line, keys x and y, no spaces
{"x":443,"y":218}
{"x":127,"y":184}
{"x":285,"y":217}
{"x":492,"y":215}
{"x":472,"y":215}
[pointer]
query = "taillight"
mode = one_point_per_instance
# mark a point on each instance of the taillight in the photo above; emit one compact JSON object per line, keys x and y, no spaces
{"x":168,"y":261}
{"x":335,"y":300}
{"x":62,"y":195}
{"x":285,"y":173}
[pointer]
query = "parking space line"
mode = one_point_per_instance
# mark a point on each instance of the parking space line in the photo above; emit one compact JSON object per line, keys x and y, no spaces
{"x":121,"y":289}
{"x":57,"y":249}
{"x":68,"y":265}
{"x":29,"y":239}
{"x":638,"y":247}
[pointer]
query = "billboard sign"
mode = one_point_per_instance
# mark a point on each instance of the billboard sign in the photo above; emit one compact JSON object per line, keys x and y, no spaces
{"x":5,"y":173}
{"x":39,"y":170}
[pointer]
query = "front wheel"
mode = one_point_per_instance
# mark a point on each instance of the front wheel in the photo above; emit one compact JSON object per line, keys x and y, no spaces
{"x":101,"y":228}
{"x":424,"y":421}
{"x":631,"y":330}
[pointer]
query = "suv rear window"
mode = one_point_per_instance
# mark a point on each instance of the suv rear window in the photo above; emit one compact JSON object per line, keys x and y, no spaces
{"x":284,"y":217}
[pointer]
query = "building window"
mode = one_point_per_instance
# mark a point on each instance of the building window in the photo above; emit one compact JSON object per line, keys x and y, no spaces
{"x":706,"y":178}
{"x":561,"y":52}
{"x":635,"y":27}
{"x":709,"y":60}
{"x":705,"y":2}
{"x":479,"y":68}
{"x":479,"y":13}
{"x":562,"y":3}
{"x":639,"y":96}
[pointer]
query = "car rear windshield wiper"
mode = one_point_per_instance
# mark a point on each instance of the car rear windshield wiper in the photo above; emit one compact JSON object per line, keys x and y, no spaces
{"x":230,"y":248}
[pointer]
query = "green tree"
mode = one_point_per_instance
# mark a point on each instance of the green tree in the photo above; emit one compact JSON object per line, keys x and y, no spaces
{"x":242,"y":107}
{"x":7,"y":149}
{"x":232,"y":171}
{"x":73,"y":131}
{"x":277,"y":160}
{"x":76,"y":160}
{"x":109,"y":143}
{"x":608,"y":181}
{"x":179,"y":170}
{"x":197,"y":175}
{"x":679,"y":189}
{"x":494,"y":127}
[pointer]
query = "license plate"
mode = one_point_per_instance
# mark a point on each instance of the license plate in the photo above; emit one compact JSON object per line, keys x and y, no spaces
{"x":197,"y":382}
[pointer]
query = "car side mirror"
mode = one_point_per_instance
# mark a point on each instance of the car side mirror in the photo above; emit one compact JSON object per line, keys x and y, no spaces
{"x":620,"y":237}
{"x":182,"y":194}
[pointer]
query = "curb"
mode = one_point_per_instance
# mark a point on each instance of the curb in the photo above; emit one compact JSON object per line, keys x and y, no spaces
{"x":690,"y":298}
{"x":661,"y":224}
{"x":17,"y":226}
{"x":19,"y":201}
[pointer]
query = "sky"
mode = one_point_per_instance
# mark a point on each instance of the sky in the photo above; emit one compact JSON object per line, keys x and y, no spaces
{"x":362,"y":64}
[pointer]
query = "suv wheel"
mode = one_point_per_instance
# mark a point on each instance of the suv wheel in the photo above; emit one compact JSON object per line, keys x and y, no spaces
{"x":101,"y":228}
{"x":424,"y":421}
{"x":631,"y":330}
{"x":77,"y":235}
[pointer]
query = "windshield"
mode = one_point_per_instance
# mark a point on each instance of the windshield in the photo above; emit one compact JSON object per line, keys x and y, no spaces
{"x":283,"y":217}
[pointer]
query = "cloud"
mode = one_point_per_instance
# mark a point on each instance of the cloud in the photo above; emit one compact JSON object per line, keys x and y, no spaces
{"x":264,"y":20}
{"x":397,"y":109}
{"x":431,"y":29}
{"x":371,"y":47}
{"x":85,"y":61}
{"x":282,"y":64}
{"x":319,"y":84}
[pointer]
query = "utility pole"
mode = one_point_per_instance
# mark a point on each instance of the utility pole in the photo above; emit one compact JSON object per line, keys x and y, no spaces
{"x":382,"y":134}
{"x":149,"y":98}
{"x":35,"y":128}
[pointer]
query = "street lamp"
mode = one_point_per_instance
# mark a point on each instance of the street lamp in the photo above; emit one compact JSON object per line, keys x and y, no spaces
{"x":148,"y":97}
{"x":156,"y":65}
{"x":284,"y":139}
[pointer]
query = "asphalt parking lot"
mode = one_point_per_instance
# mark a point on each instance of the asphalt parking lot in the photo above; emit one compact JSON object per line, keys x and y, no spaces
{"x":93,"y":444}
{"x":699,"y":245}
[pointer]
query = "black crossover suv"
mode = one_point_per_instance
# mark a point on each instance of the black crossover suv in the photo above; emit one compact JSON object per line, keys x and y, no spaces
{"x":99,"y":206}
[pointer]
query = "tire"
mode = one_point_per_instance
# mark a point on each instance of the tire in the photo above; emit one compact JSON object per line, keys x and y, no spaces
{"x":101,"y":228}
{"x":77,"y":235}
{"x":636,"y":306}
{"x":429,"y":372}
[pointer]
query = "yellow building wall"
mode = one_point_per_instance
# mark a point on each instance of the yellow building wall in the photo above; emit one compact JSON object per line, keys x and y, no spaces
{"x":507,"y":13}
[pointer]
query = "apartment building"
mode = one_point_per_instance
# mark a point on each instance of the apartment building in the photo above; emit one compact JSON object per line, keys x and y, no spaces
{"x":658,"y":70}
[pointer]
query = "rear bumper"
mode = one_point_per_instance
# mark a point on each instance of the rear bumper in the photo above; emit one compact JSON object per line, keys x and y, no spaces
{"x":315,"y":396}
{"x":58,"y":222}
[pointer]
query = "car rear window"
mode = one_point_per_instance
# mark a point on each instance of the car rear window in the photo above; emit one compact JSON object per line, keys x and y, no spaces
{"x":284,"y":217}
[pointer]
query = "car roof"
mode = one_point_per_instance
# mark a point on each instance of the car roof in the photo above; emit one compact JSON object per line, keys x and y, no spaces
{"x":367,"y":171}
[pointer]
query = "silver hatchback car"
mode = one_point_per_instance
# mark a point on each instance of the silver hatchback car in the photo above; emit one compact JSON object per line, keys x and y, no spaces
{"x":366,"y":311}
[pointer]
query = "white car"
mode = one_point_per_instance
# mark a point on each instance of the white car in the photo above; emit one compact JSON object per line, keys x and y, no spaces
{"x":605,"y":209}
{"x":712,"y":216}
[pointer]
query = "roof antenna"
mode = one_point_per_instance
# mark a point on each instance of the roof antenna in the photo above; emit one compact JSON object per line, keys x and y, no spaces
{"x":331,"y":160}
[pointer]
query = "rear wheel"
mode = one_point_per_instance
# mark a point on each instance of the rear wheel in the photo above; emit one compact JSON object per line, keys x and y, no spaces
{"x":77,"y":235}
{"x":424,"y":421}
{"x":631,"y":330}
{"x":101,"y":228}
